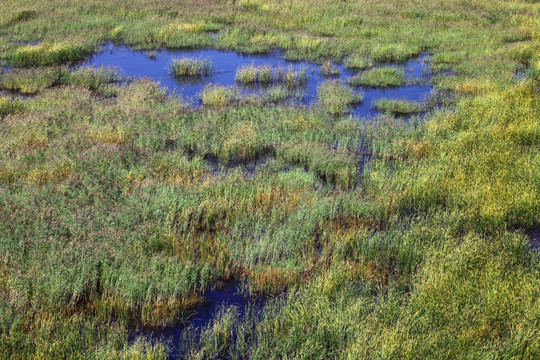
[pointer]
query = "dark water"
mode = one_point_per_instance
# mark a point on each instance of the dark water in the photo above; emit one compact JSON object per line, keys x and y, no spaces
{"x":155,"y":65}
{"x":224,"y":296}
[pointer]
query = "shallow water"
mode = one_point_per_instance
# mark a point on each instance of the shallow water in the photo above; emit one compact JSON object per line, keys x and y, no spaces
{"x":155,"y":65}
{"x":228,"y":294}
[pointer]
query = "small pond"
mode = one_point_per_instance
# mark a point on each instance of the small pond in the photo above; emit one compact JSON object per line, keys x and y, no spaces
{"x":156,"y":65}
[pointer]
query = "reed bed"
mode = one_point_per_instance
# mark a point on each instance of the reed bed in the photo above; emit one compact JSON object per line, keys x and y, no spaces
{"x":191,"y":67}
{"x":267,"y":75}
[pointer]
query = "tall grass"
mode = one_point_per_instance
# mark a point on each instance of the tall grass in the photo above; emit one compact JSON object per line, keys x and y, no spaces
{"x":398,"y":107}
{"x":379,"y":77}
{"x":377,"y":238}
{"x":336,"y":98}
{"x":184,"y":67}
{"x":266,"y":75}
{"x":48,"y":53}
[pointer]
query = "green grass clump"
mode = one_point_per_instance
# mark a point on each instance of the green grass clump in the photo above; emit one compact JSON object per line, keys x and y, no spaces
{"x":218,"y":95}
{"x":359,"y":62}
{"x":394,"y":52}
{"x":188,"y":67}
{"x":18,"y":17}
{"x":328,"y":68}
{"x":278,"y":93}
{"x":380,"y":77}
{"x":9,"y":107}
{"x":266,"y":75}
{"x":398,"y":107}
{"x":48,"y":53}
{"x":92,"y":78}
{"x":32,"y":81}
{"x":336,"y":98}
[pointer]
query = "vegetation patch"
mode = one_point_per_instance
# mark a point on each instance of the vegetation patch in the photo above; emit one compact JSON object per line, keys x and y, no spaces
{"x":9,"y":106}
{"x":328,"y":68}
{"x":266,"y":75}
{"x":359,"y":62}
{"x":218,"y":95}
{"x":336,"y":98}
{"x":191,"y":67}
{"x":398,"y":107}
{"x":48,"y":53}
{"x":380,"y":77}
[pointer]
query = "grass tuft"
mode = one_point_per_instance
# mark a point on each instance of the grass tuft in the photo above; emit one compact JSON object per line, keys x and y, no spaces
{"x":398,"y":107}
{"x":191,"y":67}
{"x":380,"y":77}
{"x":267,"y":75}
{"x":336,"y":98}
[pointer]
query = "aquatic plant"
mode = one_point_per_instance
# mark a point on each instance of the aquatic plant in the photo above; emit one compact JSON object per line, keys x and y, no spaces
{"x":216,"y":95}
{"x":328,"y":68}
{"x":379,"y":77}
{"x":357,"y":61}
{"x":191,"y":67}
{"x":397,"y":106}
{"x":336,"y":98}
{"x":278,"y":93}
{"x":266,"y":75}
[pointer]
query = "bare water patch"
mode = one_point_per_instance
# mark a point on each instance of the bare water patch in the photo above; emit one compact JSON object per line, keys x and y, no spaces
{"x":156,"y":65}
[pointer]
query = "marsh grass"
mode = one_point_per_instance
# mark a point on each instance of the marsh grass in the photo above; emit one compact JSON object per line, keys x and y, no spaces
{"x":379,"y":77}
{"x":9,"y":106}
{"x":398,"y":107}
{"x":267,"y":75}
{"x":279,"y":93}
{"x":359,"y":62}
{"x":32,"y":81}
{"x":328,"y":68}
{"x":48,"y":53}
{"x":191,"y":67}
{"x":219,"y":96}
{"x":335,"y":98}
{"x":376,"y":239}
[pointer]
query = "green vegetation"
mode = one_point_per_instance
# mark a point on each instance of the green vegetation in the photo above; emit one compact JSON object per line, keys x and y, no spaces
{"x":218,"y":95}
{"x":398,"y":107}
{"x":336,"y":98}
{"x":379,"y":77}
{"x":9,"y":106}
{"x":120,"y":210}
{"x":358,"y":62}
{"x":48,"y":54}
{"x":34,"y":80}
{"x":328,"y":68}
{"x":185,"y":67}
{"x":266,"y":75}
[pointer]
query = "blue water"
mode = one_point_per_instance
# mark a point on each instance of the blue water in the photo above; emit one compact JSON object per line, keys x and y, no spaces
{"x":217,"y":299}
{"x":155,"y":65}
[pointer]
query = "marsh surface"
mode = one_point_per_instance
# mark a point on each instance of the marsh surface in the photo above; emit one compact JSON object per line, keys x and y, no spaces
{"x":156,"y":65}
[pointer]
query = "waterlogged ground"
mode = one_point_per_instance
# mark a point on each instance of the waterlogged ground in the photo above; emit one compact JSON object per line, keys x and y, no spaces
{"x":156,"y":65}
{"x":226,"y":297}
